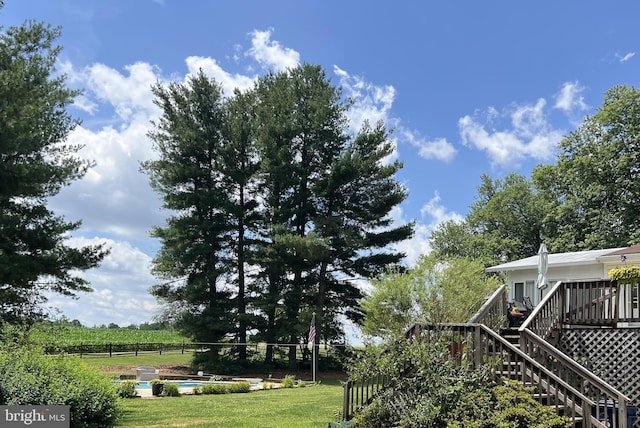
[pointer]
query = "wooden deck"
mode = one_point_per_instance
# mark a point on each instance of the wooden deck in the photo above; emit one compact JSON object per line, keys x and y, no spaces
{"x":599,"y":313}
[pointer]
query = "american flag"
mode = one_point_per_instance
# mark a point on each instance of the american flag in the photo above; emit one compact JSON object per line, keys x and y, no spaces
{"x":312,"y":331}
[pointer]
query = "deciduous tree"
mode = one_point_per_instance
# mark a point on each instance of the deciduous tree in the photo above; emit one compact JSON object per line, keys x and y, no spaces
{"x":594,"y":187}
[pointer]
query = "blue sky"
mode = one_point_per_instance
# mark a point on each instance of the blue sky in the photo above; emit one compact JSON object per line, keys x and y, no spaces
{"x":469,"y":87}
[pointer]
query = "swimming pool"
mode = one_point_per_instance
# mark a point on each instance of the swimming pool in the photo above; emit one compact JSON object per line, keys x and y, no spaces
{"x":181,"y":383}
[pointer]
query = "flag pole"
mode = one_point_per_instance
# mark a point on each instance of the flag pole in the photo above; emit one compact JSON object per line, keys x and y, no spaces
{"x":312,"y":342}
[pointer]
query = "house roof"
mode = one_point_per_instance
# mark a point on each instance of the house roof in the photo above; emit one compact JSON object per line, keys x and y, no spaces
{"x":562,"y":259}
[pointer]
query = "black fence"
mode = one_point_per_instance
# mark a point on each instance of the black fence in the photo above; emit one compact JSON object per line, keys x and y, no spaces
{"x":330,"y":357}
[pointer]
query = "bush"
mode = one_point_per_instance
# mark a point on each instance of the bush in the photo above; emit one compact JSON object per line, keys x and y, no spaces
{"x":211,"y":388}
{"x":127,"y":389}
{"x":510,"y":405}
{"x":239,"y":387}
{"x":28,"y":376}
{"x":171,"y":389}
{"x":289,"y":381}
{"x":429,"y":388}
{"x":223,"y":388}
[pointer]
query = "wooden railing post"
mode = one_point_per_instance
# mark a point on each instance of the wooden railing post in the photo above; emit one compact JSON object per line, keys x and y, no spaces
{"x":346,"y":414}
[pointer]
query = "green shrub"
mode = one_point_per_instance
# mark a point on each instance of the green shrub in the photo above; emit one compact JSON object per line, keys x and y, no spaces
{"x":28,"y":376}
{"x":429,"y":388}
{"x":127,"y":389}
{"x":223,"y":388}
{"x":171,"y":389}
{"x":510,"y":405}
{"x":289,"y":381}
{"x":212,"y":388}
{"x":239,"y":387}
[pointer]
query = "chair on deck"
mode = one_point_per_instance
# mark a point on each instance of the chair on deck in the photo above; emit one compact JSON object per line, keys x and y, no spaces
{"x":516,"y":315}
{"x":526,"y":301}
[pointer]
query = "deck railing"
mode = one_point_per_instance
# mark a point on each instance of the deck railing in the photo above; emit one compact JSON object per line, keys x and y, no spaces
{"x":359,"y":393}
{"x":492,"y":313}
{"x":576,"y":391}
{"x":547,"y":317}
{"x":480,"y":345}
{"x":564,"y":303}
{"x":601,"y":303}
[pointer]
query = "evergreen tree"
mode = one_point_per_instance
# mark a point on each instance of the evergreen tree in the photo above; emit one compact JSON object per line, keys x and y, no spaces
{"x":300,"y":131}
{"x":196,"y":242}
{"x":239,"y":165}
{"x":36,"y":162}
{"x":271,"y":179}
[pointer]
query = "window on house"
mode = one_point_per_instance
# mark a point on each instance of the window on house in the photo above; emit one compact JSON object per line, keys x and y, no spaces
{"x":518,"y":291}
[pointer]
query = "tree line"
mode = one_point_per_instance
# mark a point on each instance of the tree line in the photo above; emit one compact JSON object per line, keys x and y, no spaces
{"x":276,"y":207}
{"x":587,"y":199}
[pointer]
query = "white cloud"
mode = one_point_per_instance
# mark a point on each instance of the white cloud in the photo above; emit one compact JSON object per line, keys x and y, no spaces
{"x":626,"y":57}
{"x":433,"y":213}
{"x":271,"y":54}
{"x":114,"y":197}
{"x":85,"y":104}
{"x":211,"y":68}
{"x":120,"y":288}
{"x":372,"y":103}
{"x":438,"y":213}
{"x":128,"y":94}
{"x":570,"y":99}
{"x":439,"y":148}
{"x":418,"y":244}
{"x":530,"y":135}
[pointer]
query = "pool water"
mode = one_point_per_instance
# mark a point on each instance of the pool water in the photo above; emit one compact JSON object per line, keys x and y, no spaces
{"x":181,"y":384}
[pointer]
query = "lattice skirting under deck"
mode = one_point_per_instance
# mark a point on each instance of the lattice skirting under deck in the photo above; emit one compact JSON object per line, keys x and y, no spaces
{"x":612,"y":354}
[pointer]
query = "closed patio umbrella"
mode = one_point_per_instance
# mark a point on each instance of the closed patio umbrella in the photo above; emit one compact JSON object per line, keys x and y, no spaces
{"x":543,"y":262}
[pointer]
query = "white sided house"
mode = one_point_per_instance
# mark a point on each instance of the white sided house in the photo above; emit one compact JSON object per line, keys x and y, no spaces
{"x":593,"y":265}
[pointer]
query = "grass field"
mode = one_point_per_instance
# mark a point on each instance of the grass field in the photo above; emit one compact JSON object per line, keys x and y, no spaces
{"x":313,"y":406}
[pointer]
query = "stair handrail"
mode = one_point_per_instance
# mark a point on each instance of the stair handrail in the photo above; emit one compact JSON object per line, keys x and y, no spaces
{"x":556,"y":321}
{"x":571,"y":398}
{"x":493,"y":312}
{"x":537,"y":328}
{"x":578,"y":404}
{"x":588,"y":405}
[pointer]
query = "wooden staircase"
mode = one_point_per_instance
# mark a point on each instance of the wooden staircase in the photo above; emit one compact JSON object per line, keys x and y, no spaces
{"x":527,"y":354}
{"x":512,"y":370}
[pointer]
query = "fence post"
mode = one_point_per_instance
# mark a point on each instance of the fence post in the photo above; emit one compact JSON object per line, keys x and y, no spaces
{"x":345,"y":401}
{"x":110,"y":349}
{"x":160,"y":348}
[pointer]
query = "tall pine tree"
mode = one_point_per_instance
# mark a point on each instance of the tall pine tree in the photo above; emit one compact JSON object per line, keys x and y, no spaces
{"x":195,"y":257}
{"x":36,"y":162}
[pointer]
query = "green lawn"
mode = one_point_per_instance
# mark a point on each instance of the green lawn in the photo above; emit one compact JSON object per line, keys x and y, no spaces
{"x":313,"y":406}
{"x":175,"y":358}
